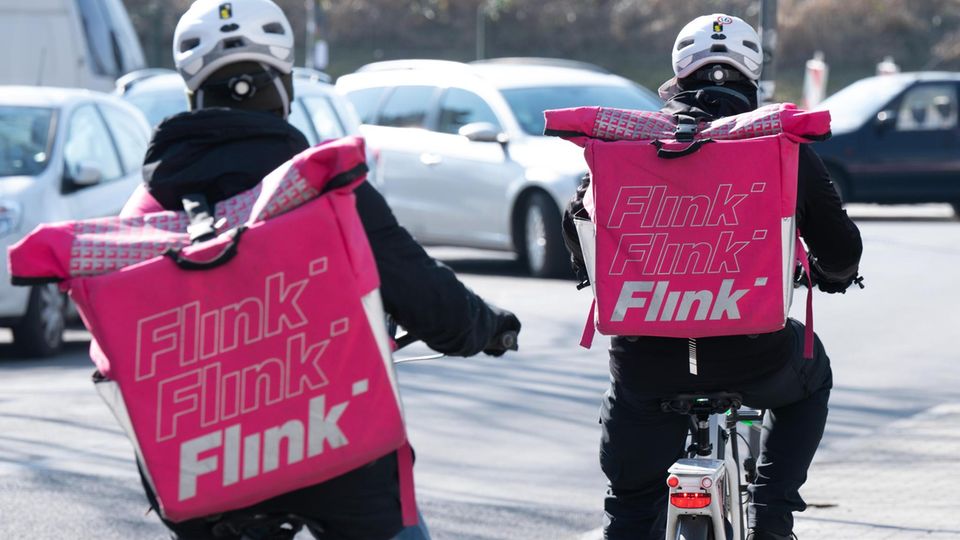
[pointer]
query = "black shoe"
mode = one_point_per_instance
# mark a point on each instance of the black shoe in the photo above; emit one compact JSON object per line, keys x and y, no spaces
{"x":758,"y":534}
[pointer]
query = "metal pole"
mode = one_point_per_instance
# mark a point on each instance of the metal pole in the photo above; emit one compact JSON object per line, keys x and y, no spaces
{"x":311,"y":32}
{"x":768,"y":39}
{"x":481,"y":30}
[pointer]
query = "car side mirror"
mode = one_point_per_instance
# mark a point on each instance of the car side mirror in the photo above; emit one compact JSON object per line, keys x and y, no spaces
{"x":483,"y":132}
{"x":885,"y":120}
{"x":86,"y":173}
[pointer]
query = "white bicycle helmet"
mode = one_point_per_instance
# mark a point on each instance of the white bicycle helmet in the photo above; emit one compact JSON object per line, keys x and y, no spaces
{"x":721,"y":39}
{"x":214,"y":33}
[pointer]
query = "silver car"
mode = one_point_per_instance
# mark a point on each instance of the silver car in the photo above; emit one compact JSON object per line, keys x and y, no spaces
{"x":462,"y":159}
{"x":64,"y":154}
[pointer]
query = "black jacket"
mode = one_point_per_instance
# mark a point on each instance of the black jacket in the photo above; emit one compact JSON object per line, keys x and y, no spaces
{"x":661,"y":364}
{"x":222,"y":152}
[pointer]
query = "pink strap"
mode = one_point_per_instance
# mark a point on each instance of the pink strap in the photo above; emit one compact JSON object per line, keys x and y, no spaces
{"x":589,"y":329}
{"x":408,"y":498}
{"x":808,"y":336}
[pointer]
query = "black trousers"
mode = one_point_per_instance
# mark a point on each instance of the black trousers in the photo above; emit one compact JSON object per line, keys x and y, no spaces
{"x":363,"y":504}
{"x":639,"y":443}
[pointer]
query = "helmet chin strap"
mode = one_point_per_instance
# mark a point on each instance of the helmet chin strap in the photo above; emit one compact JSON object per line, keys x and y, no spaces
{"x":281,"y":91}
{"x":729,"y":92}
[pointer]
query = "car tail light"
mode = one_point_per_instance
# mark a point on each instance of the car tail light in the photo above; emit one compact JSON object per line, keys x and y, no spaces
{"x":690,"y":500}
{"x":673,"y":481}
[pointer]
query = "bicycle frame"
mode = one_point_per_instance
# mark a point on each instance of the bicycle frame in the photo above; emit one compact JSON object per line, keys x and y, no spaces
{"x":707,"y":483}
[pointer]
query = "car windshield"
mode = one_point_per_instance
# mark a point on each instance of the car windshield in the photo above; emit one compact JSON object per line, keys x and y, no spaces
{"x":159,"y":105}
{"x":24,"y":140}
{"x":528,"y":104}
{"x":851,"y":107}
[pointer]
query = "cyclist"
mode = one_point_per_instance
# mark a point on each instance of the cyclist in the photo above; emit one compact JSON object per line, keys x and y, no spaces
{"x":639,"y":442}
{"x":236,"y":59}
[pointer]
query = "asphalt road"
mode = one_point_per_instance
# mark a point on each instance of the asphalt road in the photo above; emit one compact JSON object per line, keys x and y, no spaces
{"x":507,"y":447}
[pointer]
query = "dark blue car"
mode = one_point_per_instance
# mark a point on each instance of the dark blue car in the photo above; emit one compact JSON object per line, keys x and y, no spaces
{"x":896,"y":139}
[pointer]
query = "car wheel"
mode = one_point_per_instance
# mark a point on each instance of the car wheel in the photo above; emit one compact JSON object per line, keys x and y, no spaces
{"x":40,"y":331}
{"x":540,"y":244}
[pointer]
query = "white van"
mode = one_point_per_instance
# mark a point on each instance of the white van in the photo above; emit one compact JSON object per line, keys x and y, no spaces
{"x":67,"y":43}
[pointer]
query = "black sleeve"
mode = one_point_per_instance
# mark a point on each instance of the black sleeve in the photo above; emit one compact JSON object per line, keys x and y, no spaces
{"x":573,"y":210}
{"x":423,"y":295}
{"x":832,"y":237}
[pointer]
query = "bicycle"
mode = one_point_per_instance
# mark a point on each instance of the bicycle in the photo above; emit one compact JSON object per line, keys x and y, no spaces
{"x":708,"y":489}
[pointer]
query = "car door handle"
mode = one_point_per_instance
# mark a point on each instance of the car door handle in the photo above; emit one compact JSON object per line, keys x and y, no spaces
{"x":429,"y":159}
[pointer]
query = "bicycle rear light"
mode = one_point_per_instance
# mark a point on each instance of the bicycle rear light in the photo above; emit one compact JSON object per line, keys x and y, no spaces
{"x":673,"y":481}
{"x":690,"y":500}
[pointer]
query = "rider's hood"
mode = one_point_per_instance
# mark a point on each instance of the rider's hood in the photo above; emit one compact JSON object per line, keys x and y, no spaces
{"x":216,"y":152}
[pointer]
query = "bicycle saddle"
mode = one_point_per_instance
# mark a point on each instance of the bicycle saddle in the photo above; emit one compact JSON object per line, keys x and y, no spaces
{"x":705,"y":403}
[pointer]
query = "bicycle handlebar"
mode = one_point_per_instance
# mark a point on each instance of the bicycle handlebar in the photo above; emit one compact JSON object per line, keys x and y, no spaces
{"x":507,"y":341}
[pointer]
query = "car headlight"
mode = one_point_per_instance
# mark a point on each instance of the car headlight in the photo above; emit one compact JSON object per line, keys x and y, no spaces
{"x":10,"y":215}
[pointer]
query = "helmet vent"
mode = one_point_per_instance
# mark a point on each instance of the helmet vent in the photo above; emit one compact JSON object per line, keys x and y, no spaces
{"x":233,"y":43}
{"x":751,"y":45}
{"x":274,"y":28}
{"x":684,"y":43}
{"x":718,"y":48}
{"x":188,"y":44}
{"x":232,"y":27}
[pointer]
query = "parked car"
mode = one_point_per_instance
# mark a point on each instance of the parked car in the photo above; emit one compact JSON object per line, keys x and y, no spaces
{"x":64,"y":154}
{"x":68,"y":43}
{"x":896,"y":139}
{"x":318,"y":110}
{"x":462,"y":156}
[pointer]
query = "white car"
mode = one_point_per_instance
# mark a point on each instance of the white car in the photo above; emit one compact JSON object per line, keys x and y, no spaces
{"x":64,"y":154}
{"x":462,"y":156}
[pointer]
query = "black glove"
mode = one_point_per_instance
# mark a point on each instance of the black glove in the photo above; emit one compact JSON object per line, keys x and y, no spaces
{"x":505,"y":338}
{"x":827,"y":284}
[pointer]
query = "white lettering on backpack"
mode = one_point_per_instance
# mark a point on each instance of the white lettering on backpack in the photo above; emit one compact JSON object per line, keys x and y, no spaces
{"x":203,"y":391}
{"x":650,"y":206}
{"x":190,"y":334}
{"x":243,"y":456}
{"x":664,"y":304}
{"x":661,"y":236}
{"x":654,"y":254}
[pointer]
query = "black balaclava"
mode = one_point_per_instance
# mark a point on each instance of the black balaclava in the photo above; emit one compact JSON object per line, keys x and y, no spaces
{"x":266,"y":87}
{"x":730,"y":98}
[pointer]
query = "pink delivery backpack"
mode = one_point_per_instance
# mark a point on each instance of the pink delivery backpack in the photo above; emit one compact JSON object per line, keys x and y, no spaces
{"x":248,"y":365}
{"x":690,"y":228}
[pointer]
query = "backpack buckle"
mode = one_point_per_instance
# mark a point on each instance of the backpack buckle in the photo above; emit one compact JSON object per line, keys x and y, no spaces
{"x":686,"y":128}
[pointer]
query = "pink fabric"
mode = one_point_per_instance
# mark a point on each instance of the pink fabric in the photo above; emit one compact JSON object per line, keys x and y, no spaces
{"x":583,"y":124}
{"x":589,"y":328}
{"x":691,"y":247}
{"x":808,"y":327}
{"x":91,"y":247}
{"x":250,"y":379}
